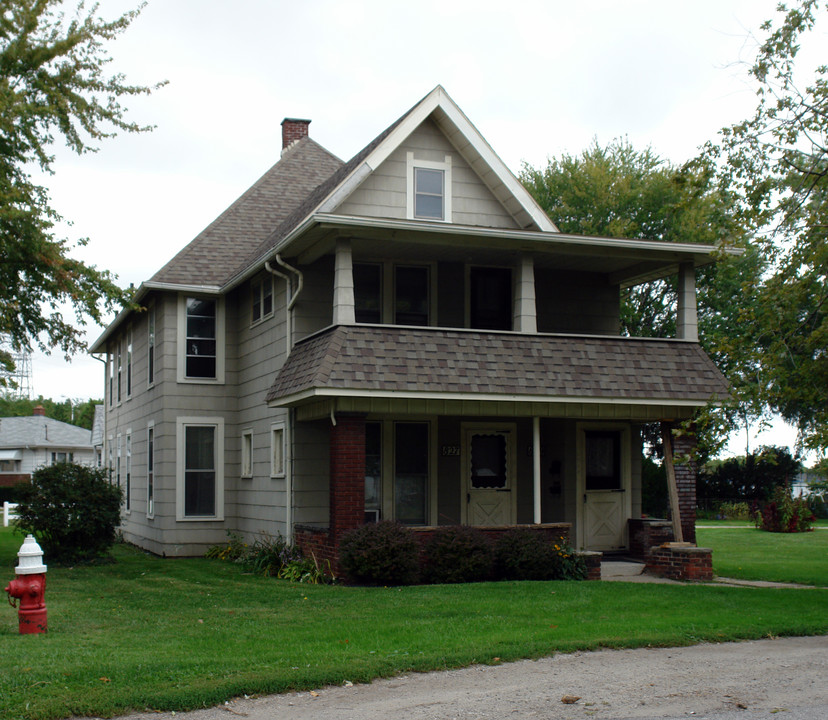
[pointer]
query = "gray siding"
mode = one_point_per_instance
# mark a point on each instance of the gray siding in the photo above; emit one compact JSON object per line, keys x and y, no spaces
{"x":383,"y":193}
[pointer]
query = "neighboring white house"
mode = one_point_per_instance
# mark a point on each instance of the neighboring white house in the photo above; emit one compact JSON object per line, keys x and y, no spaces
{"x":28,"y":443}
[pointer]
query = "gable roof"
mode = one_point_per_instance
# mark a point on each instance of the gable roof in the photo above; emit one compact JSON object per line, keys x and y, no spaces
{"x":368,"y":360}
{"x":40,"y":431}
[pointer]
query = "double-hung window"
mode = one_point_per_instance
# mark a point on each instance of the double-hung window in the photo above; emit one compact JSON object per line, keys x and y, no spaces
{"x":128,"y":474}
{"x":277,"y":450}
{"x":150,"y":470}
{"x":201,"y":339}
{"x":247,"y":454}
{"x":129,"y":363}
{"x":151,"y":345}
{"x":200,"y":477}
{"x":428,"y":189}
{"x":405,"y":302}
{"x":261,"y":291}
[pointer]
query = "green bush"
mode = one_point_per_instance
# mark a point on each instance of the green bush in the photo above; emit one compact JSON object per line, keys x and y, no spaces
{"x":11,"y":494}
{"x":734,"y":511}
{"x":72,"y":510}
{"x":784,"y":513}
{"x":457,"y":554}
{"x":524,"y":554}
{"x":383,"y":553}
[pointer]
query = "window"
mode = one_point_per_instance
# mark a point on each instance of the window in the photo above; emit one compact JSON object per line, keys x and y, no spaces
{"x":411,"y":473}
{"x":490,"y":298}
{"x":368,"y":292}
{"x":603,"y":460}
{"x":62,"y":457}
{"x":200,"y":340}
{"x":120,"y":363}
{"x":373,"y":471}
{"x":150,"y":470}
{"x":128,"y":474}
{"x":200,"y":476}
{"x":429,"y":189}
{"x":488,"y":461}
{"x":129,"y":363}
{"x":277,"y":450}
{"x":151,"y":345}
{"x":411,"y":296}
{"x":109,"y":453}
{"x":118,"y":463}
{"x":110,"y":358}
{"x":261,"y":298}
{"x":247,"y":454}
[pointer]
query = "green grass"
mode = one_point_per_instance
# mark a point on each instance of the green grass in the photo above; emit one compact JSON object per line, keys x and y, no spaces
{"x":751,"y":554}
{"x":179,"y":634}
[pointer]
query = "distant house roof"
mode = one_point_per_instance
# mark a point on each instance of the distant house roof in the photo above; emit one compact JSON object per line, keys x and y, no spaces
{"x":38,"y":431}
{"x":367,"y":359}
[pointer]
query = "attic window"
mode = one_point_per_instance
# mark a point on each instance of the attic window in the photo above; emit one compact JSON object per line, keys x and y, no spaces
{"x":429,"y":189}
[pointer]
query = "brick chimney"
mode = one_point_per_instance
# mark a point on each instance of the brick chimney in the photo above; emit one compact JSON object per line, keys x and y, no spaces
{"x":39,"y":410}
{"x":293,"y":129}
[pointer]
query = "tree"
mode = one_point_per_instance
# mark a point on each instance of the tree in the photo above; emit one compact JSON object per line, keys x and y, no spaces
{"x":74,"y":411}
{"x":619,"y":191}
{"x":52,"y":85}
{"x":776,"y":163}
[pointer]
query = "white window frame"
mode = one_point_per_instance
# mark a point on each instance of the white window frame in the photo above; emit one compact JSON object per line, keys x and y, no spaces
{"x":151,"y":340}
{"x":182,"y":341}
{"x":119,"y":370}
{"x":110,"y":360}
{"x":118,"y":439}
{"x":258,"y":287}
{"x":278,"y":439}
{"x":182,"y":423}
{"x":128,"y":471}
{"x":247,"y":453}
{"x":109,"y":451}
{"x":150,"y":469}
{"x":445,"y":167}
{"x":129,"y":353}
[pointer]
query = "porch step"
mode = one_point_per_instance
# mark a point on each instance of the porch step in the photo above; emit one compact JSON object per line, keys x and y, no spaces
{"x":620,"y":568}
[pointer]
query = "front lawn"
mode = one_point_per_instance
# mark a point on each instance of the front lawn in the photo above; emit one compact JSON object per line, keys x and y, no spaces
{"x":144,"y":632}
{"x":750,"y":554}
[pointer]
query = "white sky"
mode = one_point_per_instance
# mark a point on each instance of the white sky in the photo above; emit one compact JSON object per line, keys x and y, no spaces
{"x":537,"y":78}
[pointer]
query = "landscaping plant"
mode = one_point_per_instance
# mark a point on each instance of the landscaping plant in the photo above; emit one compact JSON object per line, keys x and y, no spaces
{"x":523,"y":554}
{"x":457,"y":554}
{"x":72,"y":510}
{"x":784,"y":513}
{"x":383,"y":553}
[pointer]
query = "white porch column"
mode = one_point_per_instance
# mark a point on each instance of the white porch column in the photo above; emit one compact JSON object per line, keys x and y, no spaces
{"x":687,"y":322}
{"x":525,"y":308}
{"x":343,"y":299}
{"x":536,"y":468}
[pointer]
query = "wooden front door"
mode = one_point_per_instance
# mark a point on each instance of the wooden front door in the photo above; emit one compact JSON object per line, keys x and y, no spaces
{"x":489,"y":469}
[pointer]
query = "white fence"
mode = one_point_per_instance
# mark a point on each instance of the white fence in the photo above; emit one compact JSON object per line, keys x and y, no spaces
{"x":8,"y":512}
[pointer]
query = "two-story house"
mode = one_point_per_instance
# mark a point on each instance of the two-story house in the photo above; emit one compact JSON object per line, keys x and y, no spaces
{"x":402,"y":336}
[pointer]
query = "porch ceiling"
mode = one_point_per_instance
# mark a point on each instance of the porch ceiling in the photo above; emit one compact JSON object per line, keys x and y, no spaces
{"x":405,"y":363}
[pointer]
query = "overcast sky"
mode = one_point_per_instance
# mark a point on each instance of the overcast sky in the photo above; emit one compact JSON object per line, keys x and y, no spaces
{"x":537,"y":78}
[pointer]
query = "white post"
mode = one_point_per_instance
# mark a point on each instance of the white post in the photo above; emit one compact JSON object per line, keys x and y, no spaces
{"x":343,"y":300}
{"x":536,"y":468}
{"x":687,"y":323}
{"x":525,"y":309}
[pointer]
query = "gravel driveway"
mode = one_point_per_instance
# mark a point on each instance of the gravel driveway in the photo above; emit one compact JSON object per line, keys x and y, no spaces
{"x":784,"y":679}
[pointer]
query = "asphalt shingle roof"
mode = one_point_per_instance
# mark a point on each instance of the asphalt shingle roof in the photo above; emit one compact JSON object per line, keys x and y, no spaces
{"x":40,"y":431}
{"x":426,"y":360}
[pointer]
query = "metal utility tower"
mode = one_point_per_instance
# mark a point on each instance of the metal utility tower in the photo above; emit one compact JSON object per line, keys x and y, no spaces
{"x":19,"y":380}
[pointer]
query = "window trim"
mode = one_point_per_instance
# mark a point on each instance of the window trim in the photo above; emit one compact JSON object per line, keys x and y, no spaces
{"x":257,"y":287}
{"x":151,"y":339}
{"x":281,"y":427}
{"x":151,"y":469}
{"x":182,"y":340}
{"x":128,"y":471}
{"x":413,"y":163}
{"x":129,"y":354}
{"x":246,"y":465}
{"x":388,"y":288}
{"x":181,"y":424}
{"x":470,"y":268}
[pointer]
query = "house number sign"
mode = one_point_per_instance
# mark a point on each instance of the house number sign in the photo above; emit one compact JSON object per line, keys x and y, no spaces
{"x":450,"y":451}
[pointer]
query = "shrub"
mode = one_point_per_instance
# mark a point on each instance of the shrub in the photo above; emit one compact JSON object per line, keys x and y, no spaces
{"x":72,"y":510}
{"x":734,"y":511}
{"x":784,"y":513}
{"x":384,"y":553}
{"x":524,"y":554}
{"x":458,"y":554}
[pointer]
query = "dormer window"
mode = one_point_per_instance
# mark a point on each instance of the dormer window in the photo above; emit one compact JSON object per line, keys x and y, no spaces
{"x":429,"y":189}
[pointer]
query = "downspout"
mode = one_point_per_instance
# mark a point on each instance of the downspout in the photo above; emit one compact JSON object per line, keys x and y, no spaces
{"x":290,"y":303}
{"x":103,"y":436}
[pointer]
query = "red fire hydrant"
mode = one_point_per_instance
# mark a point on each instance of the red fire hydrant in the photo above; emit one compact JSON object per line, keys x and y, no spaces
{"x":30,"y":587}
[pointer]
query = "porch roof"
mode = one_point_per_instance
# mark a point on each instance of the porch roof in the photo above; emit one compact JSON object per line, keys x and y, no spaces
{"x":372,"y":360}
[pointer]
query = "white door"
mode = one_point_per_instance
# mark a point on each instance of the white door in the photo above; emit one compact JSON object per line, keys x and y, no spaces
{"x":489,"y":471}
{"x":605,"y":487}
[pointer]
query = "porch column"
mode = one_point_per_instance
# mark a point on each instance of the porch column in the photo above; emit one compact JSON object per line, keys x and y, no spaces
{"x":347,"y":476}
{"x":525,"y":309}
{"x":536,"y":468}
{"x":343,"y":299}
{"x":684,"y":467}
{"x":687,"y":324}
